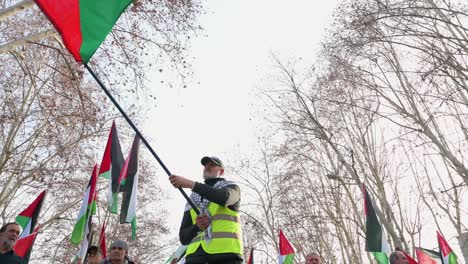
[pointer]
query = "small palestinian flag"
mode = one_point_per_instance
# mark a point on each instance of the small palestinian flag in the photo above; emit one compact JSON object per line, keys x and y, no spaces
{"x":286,"y":251}
{"x":83,"y":24}
{"x":375,"y":238}
{"x":129,"y":201}
{"x":23,"y":246}
{"x":427,"y":256}
{"x":28,"y":218}
{"x":88,"y":208}
{"x":111,"y":167}
{"x":448,"y":256}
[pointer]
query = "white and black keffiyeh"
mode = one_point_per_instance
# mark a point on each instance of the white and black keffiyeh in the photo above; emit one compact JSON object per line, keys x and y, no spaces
{"x":202,"y":203}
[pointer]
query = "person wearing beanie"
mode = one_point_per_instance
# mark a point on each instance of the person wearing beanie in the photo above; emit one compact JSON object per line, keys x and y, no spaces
{"x":118,"y":254}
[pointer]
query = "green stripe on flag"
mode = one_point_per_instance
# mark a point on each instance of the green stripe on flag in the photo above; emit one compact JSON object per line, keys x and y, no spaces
{"x":134,"y":227}
{"x":380,"y":257}
{"x":97,"y":19}
{"x":105,"y":175}
{"x":22,"y":221}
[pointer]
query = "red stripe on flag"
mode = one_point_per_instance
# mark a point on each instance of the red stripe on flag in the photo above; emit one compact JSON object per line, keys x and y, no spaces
{"x":28,"y":212}
{"x":102,"y":240}
{"x":65,"y":16}
{"x":106,"y":158}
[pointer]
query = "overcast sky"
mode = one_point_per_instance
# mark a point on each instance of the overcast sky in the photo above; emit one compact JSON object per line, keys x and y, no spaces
{"x":232,"y":55}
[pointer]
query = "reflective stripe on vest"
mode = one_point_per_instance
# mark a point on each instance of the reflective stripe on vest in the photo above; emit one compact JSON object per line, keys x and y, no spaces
{"x":226,"y":231}
{"x":217,"y":235}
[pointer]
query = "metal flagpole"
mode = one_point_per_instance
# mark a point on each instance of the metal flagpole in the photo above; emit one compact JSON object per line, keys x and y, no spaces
{"x":129,"y":121}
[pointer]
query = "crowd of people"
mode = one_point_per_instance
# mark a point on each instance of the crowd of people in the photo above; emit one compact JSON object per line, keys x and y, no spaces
{"x":213,"y":235}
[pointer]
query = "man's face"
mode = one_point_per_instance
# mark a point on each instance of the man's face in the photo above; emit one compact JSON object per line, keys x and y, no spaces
{"x":9,"y":237}
{"x":212,"y":170}
{"x":94,"y":257}
{"x":117,"y":254}
{"x":401,"y":259}
{"x":312,"y":259}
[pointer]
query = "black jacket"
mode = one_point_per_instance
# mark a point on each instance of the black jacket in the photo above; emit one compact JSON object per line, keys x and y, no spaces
{"x":228,"y":195}
{"x":10,"y":258}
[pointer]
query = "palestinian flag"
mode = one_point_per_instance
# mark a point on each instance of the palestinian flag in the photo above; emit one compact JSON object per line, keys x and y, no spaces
{"x":23,"y":246}
{"x":427,"y":256}
{"x":111,"y":166}
{"x":88,"y":208}
{"x":375,"y":237}
{"x":286,"y":251}
{"x":102,"y":241}
{"x":83,"y":24}
{"x":251,"y":257}
{"x":129,"y":202}
{"x":28,"y":218}
{"x":448,"y":256}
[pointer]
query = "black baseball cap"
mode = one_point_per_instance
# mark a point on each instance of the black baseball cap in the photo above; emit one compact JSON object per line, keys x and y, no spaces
{"x":215,"y":160}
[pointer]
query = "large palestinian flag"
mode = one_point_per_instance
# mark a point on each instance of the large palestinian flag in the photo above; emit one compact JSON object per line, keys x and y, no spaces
{"x":130,"y":174}
{"x":111,"y":167}
{"x":375,"y":238}
{"x":28,"y":218}
{"x":83,"y":24}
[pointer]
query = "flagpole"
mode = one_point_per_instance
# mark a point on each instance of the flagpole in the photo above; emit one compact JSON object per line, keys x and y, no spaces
{"x":129,"y":121}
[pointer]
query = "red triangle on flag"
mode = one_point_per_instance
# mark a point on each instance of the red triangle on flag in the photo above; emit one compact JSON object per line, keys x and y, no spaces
{"x":24,"y":245}
{"x":443,"y":245}
{"x":285,"y":247}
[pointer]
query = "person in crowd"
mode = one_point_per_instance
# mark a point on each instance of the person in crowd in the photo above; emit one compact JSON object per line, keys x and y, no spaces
{"x":118,"y":254}
{"x":313,"y":258}
{"x":9,"y":234}
{"x":214,"y":236}
{"x":397,"y":257}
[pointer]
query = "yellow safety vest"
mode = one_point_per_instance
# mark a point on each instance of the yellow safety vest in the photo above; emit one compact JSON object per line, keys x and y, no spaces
{"x":226,"y":232}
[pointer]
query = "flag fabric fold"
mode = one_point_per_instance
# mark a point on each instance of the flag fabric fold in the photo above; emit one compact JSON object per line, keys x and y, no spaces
{"x":375,"y":236}
{"x":88,"y":207}
{"x":448,"y":256}
{"x":286,"y":251}
{"x":102,"y":240}
{"x":111,"y":167}
{"x":129,"y":201}
{"x":83,"y":24}
{"x":27,"y":219}
{"x":427,"y":256}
